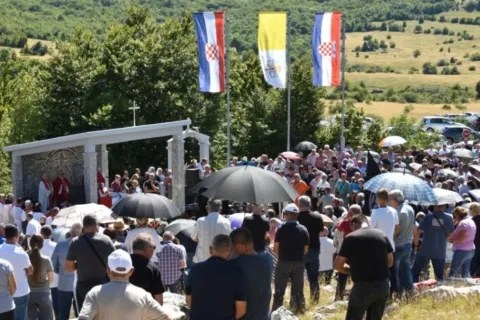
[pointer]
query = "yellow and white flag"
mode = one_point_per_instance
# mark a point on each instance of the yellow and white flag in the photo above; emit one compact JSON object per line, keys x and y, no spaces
{"x":272,"y":47}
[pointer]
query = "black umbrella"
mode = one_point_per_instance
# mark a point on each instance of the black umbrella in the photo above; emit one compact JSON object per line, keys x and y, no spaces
{"x":146,"y":205}
{"x":305,"y":146}
{"x":247,"y":184}
{"x":181,"y":225}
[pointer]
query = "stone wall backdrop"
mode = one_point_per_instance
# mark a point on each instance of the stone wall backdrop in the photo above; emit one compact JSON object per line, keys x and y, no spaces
{"x":50,"y":163}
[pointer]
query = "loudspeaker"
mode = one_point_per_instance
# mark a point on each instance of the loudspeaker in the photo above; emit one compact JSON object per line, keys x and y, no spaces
{"x":192,"y":177}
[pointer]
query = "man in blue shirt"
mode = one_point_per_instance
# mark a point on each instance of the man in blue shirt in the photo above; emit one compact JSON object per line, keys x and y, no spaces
{"x":257,"y":270}
{"x":436,"y":228}
{"x":2,"y":233}
{"x":216,"y":289}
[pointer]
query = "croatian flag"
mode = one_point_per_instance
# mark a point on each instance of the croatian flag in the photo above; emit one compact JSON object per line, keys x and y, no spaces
{"x":326,"y":49}
{"x":210,"y":39}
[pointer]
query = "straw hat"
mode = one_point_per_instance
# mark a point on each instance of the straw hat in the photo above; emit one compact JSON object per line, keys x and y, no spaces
{"x":119,"y":225}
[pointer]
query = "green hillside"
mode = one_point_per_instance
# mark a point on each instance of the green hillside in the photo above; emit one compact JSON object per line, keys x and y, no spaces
{"x":57,"y":19}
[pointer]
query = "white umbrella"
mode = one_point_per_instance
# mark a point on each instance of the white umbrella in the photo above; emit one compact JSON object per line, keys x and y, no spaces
{"x":68,"y":216}
{"x":447,"y":196}
{"x":415,"y":166}
{"x":391,"y":141}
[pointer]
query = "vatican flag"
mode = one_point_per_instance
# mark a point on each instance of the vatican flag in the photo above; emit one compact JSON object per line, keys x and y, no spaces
{"x":272,"y":47}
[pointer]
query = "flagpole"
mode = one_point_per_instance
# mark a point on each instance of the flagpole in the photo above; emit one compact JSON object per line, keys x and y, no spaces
{"x":288,"y":80}
{"x":227,"y":83}
{"x":342,"y":136}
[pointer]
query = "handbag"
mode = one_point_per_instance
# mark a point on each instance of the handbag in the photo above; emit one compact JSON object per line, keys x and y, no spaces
{"x":90,"y":244}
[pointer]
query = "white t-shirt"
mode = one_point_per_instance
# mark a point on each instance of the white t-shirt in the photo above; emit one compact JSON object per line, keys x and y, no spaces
{"x":385,"y":219}
{"x":326,"y":254}
{"x":20,"y":261}
{"x":47,"y":251}
{"x":38,"y":215}
{"x":33,"y":227}
{"x":132,"y":234}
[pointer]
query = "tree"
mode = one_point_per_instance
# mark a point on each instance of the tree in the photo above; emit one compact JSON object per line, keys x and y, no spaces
{"x":470,"y":6}
{"x":477,"y":88}
{"x":418,"y":29}
{"x":416,"y":53}
{"x":383,"y":26}
{"x":429,"y":68}
{"x":421,"y":20}
{"x":445,"y":31}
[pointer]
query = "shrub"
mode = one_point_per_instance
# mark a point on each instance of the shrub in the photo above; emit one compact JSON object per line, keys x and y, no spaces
{"x":408,"y":108}
{"x":416,"y":53}
{"x":446,"y":71}
{"x":460,"y":106}
{"x":446,"y":107}
{"x":475,"y":56}
{"x":357,"y":54}
{"x":437,"y":31}
{"x":477,"y":88}
{"x":418,"y":29}
{"x":429,"y":68}
{"x":413,"y":71}
{"x":459,"y":63}
{"x":427,"y":31}
{"x":454,"y":71}
{"x":449,"y":50}
{"x":392,"y":45}
{"x":454,"y":20}
{"x":442,"y":19}
{"x":466,"y":55}
{"x":366,"y":56}
{"x":472,"y":68}
{"x":451,"y":41}
{"x":453,"y":60}
{"x":442,"y":63}
{"x":421,"y":20}
{"x":441,"y":49}
{"x":389,"y":37}
{"x":445,"y":31}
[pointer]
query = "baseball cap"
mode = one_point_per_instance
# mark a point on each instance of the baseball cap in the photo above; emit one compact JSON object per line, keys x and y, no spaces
{"x":120,"y":259}
{"x":292,"y":207}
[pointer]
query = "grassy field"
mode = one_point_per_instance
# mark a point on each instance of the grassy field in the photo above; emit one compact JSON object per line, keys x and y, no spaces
{"x":389,"y":109}
{"x":30,"y":42}
{"x":401,"y":58}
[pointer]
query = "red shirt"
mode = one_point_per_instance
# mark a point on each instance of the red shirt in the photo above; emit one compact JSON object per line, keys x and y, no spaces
{"x":345,"y":227}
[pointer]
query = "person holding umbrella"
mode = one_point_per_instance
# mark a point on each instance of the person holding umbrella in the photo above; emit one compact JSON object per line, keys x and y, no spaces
{"x":207,"y":228}
{"x":142,"y":227}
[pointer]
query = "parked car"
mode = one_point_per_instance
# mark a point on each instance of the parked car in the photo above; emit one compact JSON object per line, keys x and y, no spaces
{"x":431,"y":124}
{"x":454,"y":133}
{"x":474,"y":123}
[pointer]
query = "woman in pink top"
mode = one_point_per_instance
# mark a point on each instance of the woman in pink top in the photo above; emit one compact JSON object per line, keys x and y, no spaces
{"x":463,"y":246}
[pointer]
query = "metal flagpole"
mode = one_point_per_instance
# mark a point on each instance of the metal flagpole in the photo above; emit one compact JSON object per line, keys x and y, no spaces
{"x":342,"y":136}
{"x":227,"y":84}
{"x":288,"y":80}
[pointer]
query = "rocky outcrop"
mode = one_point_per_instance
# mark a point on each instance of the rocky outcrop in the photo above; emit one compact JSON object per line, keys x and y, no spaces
{"x":283,"y":314}
{"x":449,"y":292}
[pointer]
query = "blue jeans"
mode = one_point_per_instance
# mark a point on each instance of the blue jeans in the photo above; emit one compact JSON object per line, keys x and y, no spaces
{"x":21,"y":304}
{"x":461,"y":263}
{"x":65,"y":305}
{"x":312,"y":265}
{"x":174,"y":288}
{"x":403,"y":273}
{"x":422,"y":261}
{"x":54,"y":292}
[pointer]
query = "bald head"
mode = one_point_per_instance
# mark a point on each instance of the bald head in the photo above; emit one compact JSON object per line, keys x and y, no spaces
{"x":168,"y":236}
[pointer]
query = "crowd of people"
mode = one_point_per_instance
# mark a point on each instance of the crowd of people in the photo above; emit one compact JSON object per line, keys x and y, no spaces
{"x":379,"y":241}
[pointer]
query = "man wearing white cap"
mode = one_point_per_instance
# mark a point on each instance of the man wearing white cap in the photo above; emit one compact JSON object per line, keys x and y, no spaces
{"x":291,"y":245}
{"x":119,"y":299}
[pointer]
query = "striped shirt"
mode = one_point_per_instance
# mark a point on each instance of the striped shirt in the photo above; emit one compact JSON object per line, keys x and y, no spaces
{"x":205,"y":230}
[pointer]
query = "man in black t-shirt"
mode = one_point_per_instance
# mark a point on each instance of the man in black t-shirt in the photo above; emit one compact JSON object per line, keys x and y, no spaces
{"x":258,"y":227}
{"x":291,"y":245}
{"x":366,"y":253}
{"x":313,"y":221}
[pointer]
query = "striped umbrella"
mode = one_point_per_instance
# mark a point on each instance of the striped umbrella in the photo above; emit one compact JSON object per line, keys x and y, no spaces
{"x":391,"y":141}
{"x":413,"y":188}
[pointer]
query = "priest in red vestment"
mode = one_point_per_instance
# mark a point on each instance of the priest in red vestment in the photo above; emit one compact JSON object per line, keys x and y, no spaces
{"x":62,"y":189}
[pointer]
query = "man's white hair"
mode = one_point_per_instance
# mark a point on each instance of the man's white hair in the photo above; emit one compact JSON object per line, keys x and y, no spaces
{"x":304,"y":201}
{"x":397,"y":195}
